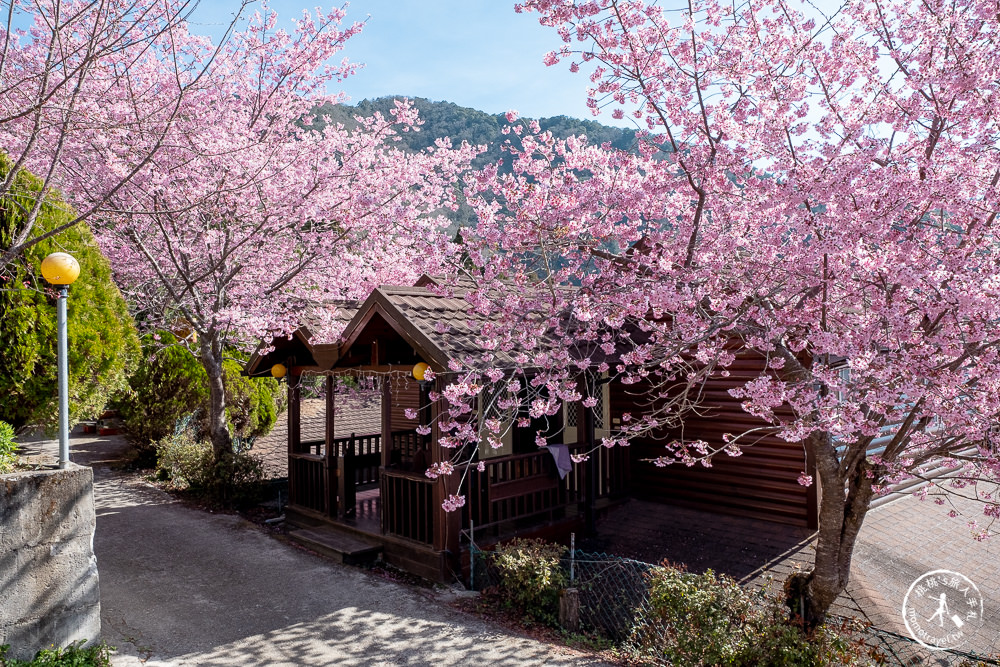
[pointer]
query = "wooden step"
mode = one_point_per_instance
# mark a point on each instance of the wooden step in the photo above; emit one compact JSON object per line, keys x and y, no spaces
{"x":337,"y":545}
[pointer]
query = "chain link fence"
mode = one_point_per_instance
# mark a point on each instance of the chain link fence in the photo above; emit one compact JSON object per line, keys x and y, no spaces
{"x":614,"y":598}
{"x":890,"y":648}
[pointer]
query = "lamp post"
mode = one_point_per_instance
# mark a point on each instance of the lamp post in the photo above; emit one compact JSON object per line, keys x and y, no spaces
{"x":61,"y":269}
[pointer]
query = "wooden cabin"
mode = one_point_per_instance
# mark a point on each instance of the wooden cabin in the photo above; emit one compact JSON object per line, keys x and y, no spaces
{"x":353,"y":496}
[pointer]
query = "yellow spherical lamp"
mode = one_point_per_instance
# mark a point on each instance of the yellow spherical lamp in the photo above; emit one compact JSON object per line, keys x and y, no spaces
{"x":60,"y":268}
{"x":419,"y":370}
{"x":278,"y":371}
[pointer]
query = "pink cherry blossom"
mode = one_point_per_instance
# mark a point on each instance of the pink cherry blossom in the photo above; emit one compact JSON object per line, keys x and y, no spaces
{"x":819,"y":195}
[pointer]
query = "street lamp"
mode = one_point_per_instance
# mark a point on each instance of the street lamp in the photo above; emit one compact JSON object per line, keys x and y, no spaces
{"x":61,"y":269}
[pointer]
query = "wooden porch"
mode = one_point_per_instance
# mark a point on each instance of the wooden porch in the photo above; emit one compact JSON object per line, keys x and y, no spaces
{"x":352,"y":498}
{"x":366,"y":493}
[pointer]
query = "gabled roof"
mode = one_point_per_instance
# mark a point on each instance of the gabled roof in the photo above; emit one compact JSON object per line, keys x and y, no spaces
{"x":308,"y":349}
{"x":432,"y":316}
{"x":440,"y":327}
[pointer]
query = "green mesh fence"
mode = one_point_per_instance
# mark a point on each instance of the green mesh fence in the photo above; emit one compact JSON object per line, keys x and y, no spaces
{"x":614,"y":596}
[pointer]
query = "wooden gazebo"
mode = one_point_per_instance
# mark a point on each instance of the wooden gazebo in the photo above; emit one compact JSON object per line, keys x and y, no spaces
{"x":369,"y":492}
{"x":356,"y":496}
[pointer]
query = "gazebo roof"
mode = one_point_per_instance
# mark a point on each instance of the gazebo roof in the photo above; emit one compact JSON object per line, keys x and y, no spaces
{"x":441,"y":327}
{"x":434,"y":319}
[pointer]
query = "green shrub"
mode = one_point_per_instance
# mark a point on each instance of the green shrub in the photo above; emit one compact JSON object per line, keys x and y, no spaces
{"x":531,"y":577}
{"x":74,"y":655}
{"x":103,"y":346}
{"x":708,"y":619}
{"x":186,"y":461}
{"x":251,"y":403}
{"x":8,"y":448}
{"x":172,"y":384}
{"x":169,"y":384}
{"x":189,"y":463}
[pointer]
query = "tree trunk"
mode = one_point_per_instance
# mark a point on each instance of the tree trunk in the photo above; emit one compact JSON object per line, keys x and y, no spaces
{"x":841,"y":516}
{"x":218,"y":429}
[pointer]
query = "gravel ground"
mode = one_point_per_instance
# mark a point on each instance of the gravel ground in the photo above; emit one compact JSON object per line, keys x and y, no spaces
{"x":181,"y":586}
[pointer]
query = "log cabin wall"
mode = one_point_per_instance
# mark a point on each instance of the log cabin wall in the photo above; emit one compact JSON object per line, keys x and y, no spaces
{"x":762,"y":483}
{"x":405,"y":395}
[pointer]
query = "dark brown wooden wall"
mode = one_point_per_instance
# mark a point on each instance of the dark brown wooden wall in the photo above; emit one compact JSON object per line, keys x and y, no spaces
{"x":405,"y":394}
{"x":762,"y":483}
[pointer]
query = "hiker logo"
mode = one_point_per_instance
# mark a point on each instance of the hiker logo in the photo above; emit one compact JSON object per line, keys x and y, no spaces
{"x":940,"y":609}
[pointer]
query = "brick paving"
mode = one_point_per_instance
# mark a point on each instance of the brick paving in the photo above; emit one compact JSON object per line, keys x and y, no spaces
{"x":904,"y":539}
{"x":899,"y":542}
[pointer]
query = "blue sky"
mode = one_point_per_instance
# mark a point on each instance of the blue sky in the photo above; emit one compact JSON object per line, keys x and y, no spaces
{"x":475,"y":53}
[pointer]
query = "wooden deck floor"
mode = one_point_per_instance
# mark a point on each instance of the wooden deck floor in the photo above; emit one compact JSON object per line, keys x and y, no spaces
{"x":367,"y":512}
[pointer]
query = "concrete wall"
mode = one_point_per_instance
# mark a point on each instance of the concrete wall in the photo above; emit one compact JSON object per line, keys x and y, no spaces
{"x":49,"y":591}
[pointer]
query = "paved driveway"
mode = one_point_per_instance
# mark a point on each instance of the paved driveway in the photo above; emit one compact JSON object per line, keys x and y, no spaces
{"x":181,"y":586}
{"x":899,"y":542}
{"x":184,"y":587}
{"x":907,"y":538}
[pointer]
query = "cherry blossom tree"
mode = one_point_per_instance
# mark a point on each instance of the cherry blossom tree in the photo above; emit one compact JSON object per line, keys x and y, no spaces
{"x":80,"y":82}
{"x":248,"y":219}
{"x":821,"y":191}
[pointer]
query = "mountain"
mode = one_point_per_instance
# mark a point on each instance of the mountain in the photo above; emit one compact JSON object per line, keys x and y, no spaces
{"x":446,"y":119}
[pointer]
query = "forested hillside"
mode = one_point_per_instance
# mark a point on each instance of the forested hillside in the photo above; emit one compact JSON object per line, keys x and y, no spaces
{"x":445,"y":119}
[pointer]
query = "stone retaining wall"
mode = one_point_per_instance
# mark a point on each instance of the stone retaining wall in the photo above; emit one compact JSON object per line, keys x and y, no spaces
{"x":49,"y":592}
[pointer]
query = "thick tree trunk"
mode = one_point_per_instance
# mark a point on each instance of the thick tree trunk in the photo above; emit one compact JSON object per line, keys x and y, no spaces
{"x":218,"y":429}
{"x":841,"y":516}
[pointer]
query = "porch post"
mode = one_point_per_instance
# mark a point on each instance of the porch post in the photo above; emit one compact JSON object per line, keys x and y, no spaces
{"x":813,"y":492}
{"x":591,"y":476}
{"x":346,"y":481}
{"x":294,"y":395}
{"x":386,"y":420}
{"x":293,"y":431}
{"x":329,"y":466}
{"x":447,"y":525}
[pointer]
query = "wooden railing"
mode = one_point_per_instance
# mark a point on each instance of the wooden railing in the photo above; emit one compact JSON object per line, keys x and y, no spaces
{"x":612,"y":469}
{"x":316,"y":447}
{"x":405,"y":445}
{"x":309,"y":479}
{"x":408,"y":505}
{"x":527,"y":487}
{"x":307,"y":484}
{"x":362,"y":455}
{"x":519,"y":487}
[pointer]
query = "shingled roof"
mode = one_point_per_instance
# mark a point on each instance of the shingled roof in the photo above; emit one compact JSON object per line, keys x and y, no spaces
{"x":359,"y":414}
{"x":433,"y":316}
{"x":441,"y":326}
{"x":325,"y":324}
{"x":319,"y":332}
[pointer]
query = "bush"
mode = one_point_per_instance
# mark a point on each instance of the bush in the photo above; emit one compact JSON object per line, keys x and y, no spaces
{"x":186,"y":461}
{"x":74,"y":655}
{"x":251,"y":403}
{"x":8,"y":448}
{"x":189,"y":463}
{"x":103,"y":344}
{"x":530,"y":578}
{"x":172,"y":384}
{"x":707,"y":619}
{"x":168,"y":385}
